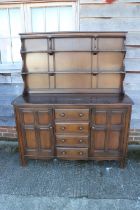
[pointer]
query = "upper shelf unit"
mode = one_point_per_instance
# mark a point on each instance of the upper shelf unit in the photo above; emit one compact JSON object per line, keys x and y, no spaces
{"x":73,"y":62}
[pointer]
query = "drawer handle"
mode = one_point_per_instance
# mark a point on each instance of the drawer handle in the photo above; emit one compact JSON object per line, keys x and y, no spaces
{"x":63,"y":128}
{"x":81,"y":128}
{"x":63,"y":140}
{"x":81,"y":141}
{"x":63,"y":153}
{"x":81,"y":114}
{"x":81,"y":153}
{"x":93,"y":127}
{"x":62,"y":114}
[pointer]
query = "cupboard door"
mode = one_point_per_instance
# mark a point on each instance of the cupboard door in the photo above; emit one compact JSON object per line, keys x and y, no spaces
{"x":37,"y":132}
{"x":38,"y":141}
{"x":107,"y":133}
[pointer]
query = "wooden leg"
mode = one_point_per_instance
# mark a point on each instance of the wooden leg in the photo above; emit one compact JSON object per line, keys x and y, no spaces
{"x":123,"y":163}
{"x":23,"y":161}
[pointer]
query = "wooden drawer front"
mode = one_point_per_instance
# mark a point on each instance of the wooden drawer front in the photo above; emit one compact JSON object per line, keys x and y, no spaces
{"x":72,"y":127}
{"x":72,"y":114}
{"x":76,"y":141}
{"x":72,"y":153}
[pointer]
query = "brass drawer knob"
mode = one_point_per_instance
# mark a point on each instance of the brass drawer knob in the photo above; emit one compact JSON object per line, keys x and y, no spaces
{"x":63,"y":128}
{"x":81,"y":128}
{"x":81,"y":114}
{"x":81,"y":153}
{"x":62,"y":114}
{"x":81,"y":141}
{"x":63,"y":140}
{"x":63,"y":153}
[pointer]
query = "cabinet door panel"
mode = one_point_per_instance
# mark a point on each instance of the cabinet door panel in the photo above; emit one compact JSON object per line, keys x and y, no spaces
{"x":37,"y":133}
{"x":99,"y":140}
{"x":28,"y":117}
{"x":45,"y":139}
{"x":100,"y":118}
{"x":44,"y":117}
{"x":30,"y":138}
{"x":116,"y":118}
{"x":108,"y":128}
{"x":114,"y":140}
{"x":36,"y":116}
{"x":38,"y":141}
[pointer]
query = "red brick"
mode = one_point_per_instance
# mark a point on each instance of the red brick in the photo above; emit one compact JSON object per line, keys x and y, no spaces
{"x":3,"y":129}
{"x":136,"y":138}
{"x":132,"y":130}
{"x":131,"y":139}
{"x":8,"y":135}
{"x":11,"y":129}
{"x":13,"y":132}
{"x":15,"y":135}
{"x":137,"y":130}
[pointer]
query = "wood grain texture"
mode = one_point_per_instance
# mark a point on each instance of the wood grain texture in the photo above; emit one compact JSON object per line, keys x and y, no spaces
{"x":71,"y":114}
{"x":105,"y":139}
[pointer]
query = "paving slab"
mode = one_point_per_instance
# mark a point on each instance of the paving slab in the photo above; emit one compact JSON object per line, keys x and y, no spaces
{"x":69,"y":185}
{"x":56,"y":203}
{"x":73,"y":179}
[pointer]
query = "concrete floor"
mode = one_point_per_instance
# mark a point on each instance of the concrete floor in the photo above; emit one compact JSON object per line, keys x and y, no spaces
{"x":69,"y":185}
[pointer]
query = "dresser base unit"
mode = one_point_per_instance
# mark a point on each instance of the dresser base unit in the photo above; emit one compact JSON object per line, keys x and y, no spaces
{"x":73,"y":126}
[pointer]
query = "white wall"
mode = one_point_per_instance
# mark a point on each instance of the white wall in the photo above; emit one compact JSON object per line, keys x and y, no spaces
{"x":122,"y":15}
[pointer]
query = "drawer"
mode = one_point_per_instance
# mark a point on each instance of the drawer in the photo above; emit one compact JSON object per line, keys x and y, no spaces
{"x":72,"y":153}
{"x":72,"y":114}
{"x":72,"y":127}
{"x":76,"y":141}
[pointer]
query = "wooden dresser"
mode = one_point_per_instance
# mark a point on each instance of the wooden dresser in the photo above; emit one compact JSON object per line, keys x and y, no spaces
{"x":73,"y":105}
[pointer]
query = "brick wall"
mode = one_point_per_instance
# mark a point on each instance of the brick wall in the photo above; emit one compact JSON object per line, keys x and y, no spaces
{"x":134,"y":136}
{"x":9,"y":133}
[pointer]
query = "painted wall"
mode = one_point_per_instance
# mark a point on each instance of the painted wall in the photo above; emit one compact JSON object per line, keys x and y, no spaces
{"x":95,"y":15}
{"x":122,"y":15}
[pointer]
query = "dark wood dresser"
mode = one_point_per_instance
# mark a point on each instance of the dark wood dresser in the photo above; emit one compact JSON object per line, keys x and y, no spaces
{"x":73,"y":105}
